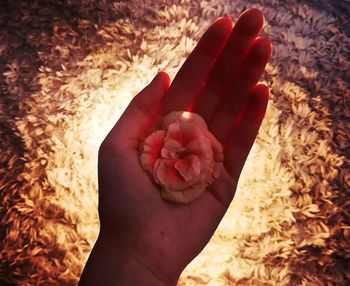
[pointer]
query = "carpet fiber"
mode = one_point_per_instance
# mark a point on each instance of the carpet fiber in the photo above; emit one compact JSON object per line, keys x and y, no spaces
{"x":68,"y":70}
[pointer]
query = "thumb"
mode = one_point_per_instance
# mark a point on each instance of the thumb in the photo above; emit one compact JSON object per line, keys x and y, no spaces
{"x":140,"y":113}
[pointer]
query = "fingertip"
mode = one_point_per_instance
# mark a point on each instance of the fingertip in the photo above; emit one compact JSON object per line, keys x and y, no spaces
{"x":161,"y":82}
{"x":262,"y":47}
{"x":262,"y":90}
{"x":164,"y":77}
{"x":222,"y":25}
{"x":260,"y":95}
{"x":257,"y":103}
{"x":252,"y":19}
{"x":153,"y":92}
{"x":224,"y":20}
{"x":254,"y":13}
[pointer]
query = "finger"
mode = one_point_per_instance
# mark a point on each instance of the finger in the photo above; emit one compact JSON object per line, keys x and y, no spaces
{"x":248,"y":75}
{"x":189,"y":81}
{"x":223,"y":189}
{"x":134,"y":123}
{"x":243,"y":34}
{"x":242,"y":136}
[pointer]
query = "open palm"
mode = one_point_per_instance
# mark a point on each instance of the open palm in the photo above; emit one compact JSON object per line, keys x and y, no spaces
{"x":219,"y":82}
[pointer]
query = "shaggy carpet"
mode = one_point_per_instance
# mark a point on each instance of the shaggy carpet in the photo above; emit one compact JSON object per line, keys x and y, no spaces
{"x":70,"y":67}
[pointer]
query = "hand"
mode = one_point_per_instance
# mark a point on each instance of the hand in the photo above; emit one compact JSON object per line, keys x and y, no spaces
{"x":159,"y":238}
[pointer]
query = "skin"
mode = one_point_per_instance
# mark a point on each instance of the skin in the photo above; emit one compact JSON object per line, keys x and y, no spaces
{"x":143,"y":239}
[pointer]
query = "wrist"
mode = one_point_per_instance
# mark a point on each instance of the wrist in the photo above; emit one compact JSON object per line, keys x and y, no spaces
{"x":110,"y":264}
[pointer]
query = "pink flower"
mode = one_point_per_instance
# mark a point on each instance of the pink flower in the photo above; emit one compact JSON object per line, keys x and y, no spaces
{"x":184,"y":158}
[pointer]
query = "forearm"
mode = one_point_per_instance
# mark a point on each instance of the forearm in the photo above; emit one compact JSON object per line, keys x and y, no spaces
{"x":108,"y":265}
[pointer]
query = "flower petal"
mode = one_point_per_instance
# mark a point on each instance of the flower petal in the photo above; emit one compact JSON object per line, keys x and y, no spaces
{"x":181,"y":116}
{"x":201,"y":147}
{"x":169,"y":145}
{"x":174,"y":132}
{"x":168,"y":177}
{"x":189,"y":167}
{"x":151,"y":150}
{"x":184,"y":196}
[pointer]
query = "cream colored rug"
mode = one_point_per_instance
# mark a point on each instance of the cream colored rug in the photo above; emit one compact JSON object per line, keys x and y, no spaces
{"x":69,"y":69}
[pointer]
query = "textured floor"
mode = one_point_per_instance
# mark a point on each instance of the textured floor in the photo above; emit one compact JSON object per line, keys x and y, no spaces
{"x":69,"y":68}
